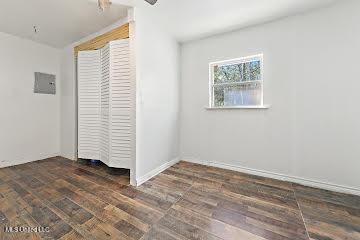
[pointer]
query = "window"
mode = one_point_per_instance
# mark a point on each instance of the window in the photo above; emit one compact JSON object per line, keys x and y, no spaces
{"x":237,"y":83}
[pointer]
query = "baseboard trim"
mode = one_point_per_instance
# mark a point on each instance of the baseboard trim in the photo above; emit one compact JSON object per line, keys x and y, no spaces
{"x":5,"y":164}
{"x":282,"y":177}
{"x":156,"y":171}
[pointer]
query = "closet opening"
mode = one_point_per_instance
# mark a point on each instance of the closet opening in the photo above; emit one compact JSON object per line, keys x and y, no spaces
{"x":106,"y":103}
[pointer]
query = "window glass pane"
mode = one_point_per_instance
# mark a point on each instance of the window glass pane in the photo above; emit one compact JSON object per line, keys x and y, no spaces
{"x":255,"y":71}
{"x":248,"y":71}
{"x":226,"y":74}
{"x":240,"y":94}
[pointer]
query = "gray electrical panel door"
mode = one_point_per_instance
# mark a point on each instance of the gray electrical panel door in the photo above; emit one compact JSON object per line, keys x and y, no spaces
{"x":45,"y":83}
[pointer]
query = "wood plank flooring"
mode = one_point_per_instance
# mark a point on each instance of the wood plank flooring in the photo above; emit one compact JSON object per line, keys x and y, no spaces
{"x":185,"y":202}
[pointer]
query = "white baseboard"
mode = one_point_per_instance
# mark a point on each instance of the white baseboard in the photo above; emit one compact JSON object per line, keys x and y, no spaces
{"x":195,"y":160}
{"x":4,"y":164}
{"x":278,"y":176}
{"x":156,"y":171}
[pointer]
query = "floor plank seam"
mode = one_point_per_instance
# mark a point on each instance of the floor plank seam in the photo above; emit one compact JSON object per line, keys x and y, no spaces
{"x":180,"y":198}
{"x":28,"y":219}
{"x":302,"y":216}
{"x":62,"y":215}
{"x":51,"y":207}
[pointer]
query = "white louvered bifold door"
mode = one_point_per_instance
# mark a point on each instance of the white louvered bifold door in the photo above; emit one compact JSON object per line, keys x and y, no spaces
{"x":88,"y":104}
{"x":106,"y":124}
{"x":122,"y":106}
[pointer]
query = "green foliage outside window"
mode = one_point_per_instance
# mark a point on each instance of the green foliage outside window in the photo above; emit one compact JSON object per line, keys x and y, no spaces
{"x":237,"y":84}
{"x":249,"y":71}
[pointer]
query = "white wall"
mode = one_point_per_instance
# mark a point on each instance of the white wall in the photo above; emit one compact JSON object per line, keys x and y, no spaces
{"x":29,"y":123}
{"x":68,"y":104}
{"x":312,"y":71}
{"x":157,"y":72}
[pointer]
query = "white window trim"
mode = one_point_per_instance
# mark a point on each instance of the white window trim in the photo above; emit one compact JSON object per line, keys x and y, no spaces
{"x":232,"y":62}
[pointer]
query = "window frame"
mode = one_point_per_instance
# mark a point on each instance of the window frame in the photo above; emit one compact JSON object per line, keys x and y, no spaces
{"x":257,"y":57}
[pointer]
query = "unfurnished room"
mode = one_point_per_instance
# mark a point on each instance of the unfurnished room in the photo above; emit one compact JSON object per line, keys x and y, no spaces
{"x":180,"y":119}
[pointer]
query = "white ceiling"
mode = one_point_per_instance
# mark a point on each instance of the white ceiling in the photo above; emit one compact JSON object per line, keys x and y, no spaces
{"x":59,"y":22}
{"x":193,"y":19}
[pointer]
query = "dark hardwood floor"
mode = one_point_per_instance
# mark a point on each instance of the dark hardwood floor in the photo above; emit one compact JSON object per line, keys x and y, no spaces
{"x":187,"y":201}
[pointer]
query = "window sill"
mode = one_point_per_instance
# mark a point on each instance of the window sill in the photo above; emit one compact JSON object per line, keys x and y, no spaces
{"x":264,"y":107}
